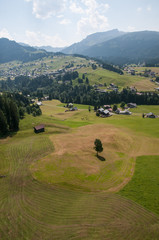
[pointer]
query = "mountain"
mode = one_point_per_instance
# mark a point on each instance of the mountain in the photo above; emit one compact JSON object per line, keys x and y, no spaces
{"x":128,"y":48}
{"x":96,"y":38}
{"x":50,"y":49}
{"x":11,"y":50}
{"x":46,"y":48}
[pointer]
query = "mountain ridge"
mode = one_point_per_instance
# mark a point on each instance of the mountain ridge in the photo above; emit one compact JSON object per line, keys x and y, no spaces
{"x":134,"y":46}
{"x":91,"y":40}
{"x":11,"y":50}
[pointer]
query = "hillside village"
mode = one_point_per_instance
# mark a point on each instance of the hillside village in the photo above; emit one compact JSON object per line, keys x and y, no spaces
{"x":38,"y":68}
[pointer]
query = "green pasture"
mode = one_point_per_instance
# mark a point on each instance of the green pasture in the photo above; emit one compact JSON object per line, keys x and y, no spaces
{"x":143,"y":188}
{"x":54,"y":186}
{"x":101,"y":76}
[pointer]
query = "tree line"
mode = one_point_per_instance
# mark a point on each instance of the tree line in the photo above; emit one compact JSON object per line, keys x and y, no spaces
{"x":9,"y":115}
{"x":82,"y":93}
{"x":13,"y":107}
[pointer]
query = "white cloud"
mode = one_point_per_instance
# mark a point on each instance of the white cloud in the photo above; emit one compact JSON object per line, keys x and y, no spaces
{"x":94,"y":19}
{"x":60,"y":16}
{"x":46,"y":8}
{"x":90,"y":4}
{"x":65,"y":21}
{"x":104,"y":7}
{"x":39,"y":39}
{"x":139,"y":9}
{"x":93,"y":23}
{"x":5,"y":34}
{"x":149,"y":8}
{"x":76,"y":9}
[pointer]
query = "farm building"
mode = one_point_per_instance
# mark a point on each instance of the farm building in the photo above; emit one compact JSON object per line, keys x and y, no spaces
{"x":125,"y":112}
{"x":151,"y":115}
{"x":39,"y":128}
{"x":39,"y":103}
{"x":107,"y":106}
{"x":104,"y":113}
{"x":132,"y":105}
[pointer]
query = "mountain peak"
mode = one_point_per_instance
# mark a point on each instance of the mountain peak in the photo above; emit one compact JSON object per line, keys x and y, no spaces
{"x":92,"y":39}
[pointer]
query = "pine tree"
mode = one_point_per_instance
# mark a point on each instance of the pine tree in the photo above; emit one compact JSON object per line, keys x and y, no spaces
{"x":3,"y":124}
{"x":14,"y":125}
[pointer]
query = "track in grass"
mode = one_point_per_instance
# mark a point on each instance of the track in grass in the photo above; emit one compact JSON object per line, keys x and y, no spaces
{"x":30,"y":209}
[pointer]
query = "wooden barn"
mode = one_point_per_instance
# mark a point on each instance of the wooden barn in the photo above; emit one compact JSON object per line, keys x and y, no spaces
{"x":39,"y":128}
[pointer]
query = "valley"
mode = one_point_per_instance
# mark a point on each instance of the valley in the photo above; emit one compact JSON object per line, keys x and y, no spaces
{"x":56,"y":188}
{"x":54,"y":183}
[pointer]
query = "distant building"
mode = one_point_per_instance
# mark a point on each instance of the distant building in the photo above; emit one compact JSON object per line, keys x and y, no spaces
{"x":39,"y":103}
{"x":39,"y":128}
{"x":132,"y":105}
{"x":104,"y":113}
{"x":151,"y":115}
{"x":125,"y":112}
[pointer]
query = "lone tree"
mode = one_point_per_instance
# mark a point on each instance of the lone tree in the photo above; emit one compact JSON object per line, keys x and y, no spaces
{"x":122,"y":105}
{"x":115,"y":107}
{"x":98,"y":146}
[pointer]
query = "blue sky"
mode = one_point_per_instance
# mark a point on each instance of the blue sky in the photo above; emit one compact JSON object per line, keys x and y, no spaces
{"x":62,"y":22}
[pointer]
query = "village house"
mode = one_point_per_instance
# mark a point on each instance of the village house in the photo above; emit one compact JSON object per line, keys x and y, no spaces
{"x":151,"y":115}
{"x":125,"y":112}
{"x":108,"y":107}
{"x":39,"y":103}
{"x":132,"y":105}
{"x":104,"y":113}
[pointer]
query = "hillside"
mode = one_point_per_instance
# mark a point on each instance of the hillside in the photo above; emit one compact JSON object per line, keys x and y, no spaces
{"x":129,"y":48}
{"x":10,"y":51}
{"x":54,"y":187}
{"x":91,"y":40}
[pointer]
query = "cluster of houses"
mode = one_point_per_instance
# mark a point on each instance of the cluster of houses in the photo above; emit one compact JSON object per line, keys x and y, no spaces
{"x":70,"y":107}
{"x":106,"y":111}
{"x":111,"y":86}
{"x":147,"y":72}
{"x":35,"y":69}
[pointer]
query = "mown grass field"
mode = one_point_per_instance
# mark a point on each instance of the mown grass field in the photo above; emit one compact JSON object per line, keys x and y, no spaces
{"x":56,"y":188}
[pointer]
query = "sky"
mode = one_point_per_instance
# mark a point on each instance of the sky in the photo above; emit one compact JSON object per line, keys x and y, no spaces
{"x":60,"y":23}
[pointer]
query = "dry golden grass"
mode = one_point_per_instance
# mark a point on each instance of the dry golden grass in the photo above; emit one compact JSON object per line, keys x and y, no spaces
{"x":74,"y":160}
{"x":153,"y":69}
{"x":144,"y":85}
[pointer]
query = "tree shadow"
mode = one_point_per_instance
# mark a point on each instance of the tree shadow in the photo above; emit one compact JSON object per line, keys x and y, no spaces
{"x":101,"y":158}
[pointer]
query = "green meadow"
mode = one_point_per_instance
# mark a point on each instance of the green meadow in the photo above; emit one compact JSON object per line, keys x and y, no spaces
{"x":101,"y":76}
{"x":98,"y":76}
{"x":53,"y":186}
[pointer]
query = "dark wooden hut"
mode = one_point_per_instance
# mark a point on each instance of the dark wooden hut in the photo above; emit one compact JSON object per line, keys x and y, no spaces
{"x":39,"y":128}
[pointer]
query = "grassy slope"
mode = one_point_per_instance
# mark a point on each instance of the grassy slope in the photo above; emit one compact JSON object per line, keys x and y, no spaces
{"x":143,"y":188}
{"x":104,"y":76}
{"x":98,"y":76}
{"x":35,"y":210}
